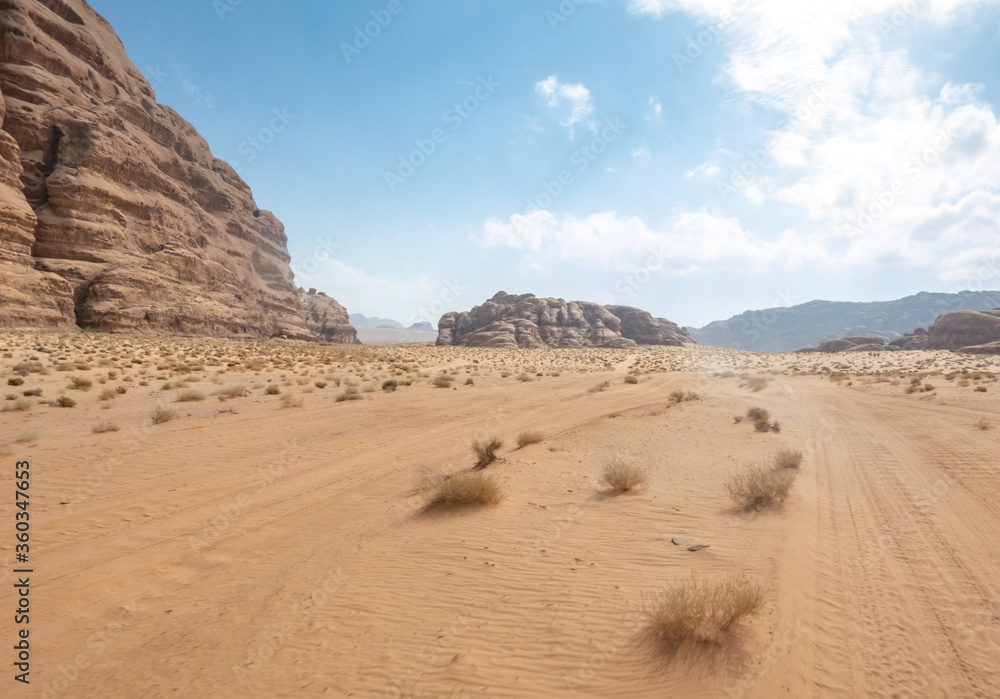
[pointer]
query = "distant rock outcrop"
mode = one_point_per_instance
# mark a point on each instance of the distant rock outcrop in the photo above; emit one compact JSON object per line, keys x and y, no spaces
{"x":360,"y":321}
{"x":809,"y":324}
{"x":327,"y":319}
{"x":113,"y":212}
{"x":966,"y":331}
{"x":526,"y":321}
{"x":850,"y":344}
{"x":422,"y":326}
{"x":917,"y":340}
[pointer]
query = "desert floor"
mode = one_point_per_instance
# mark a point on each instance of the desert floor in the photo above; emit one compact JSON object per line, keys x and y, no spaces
{"x":275,"y":544}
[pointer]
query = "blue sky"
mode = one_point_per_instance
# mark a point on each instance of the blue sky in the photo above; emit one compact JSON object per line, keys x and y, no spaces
{"x":593,"y":149}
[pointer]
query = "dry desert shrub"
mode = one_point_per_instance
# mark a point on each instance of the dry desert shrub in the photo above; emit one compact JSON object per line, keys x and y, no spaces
{"x":703,"y":611}
{"x":350,"y":393}
{"x":103,"y":427}
{"x":756,"y":414}
{"x":677,"y":396}
{"x":762,"y":425}
{"x":32,"y":392}
{"x":288,"y":401}
{"x":981,"y":389}
{"x":190,"y":397}
{"x":757,"y":383}
{"x":691,"y":395}
{"x":19,"y":405}
{"x":17,"y":381}
{"x":390,"y":385}
{"x":621,"y":476}
{"x":526,"y":438}
{"x":600,"y":387}
{"x":78,"y":383}
{"x":984,"y":424}
{"x":465,"y":489}
{"x":272,"y":390}
{"x":321,"y":384}
{"x":161,"y":415}
{"x":524,"y":378}
{"x":442,"y":381}
{"x":486,"y":451}
{"x":787,"y":458}
{"x":108,"y":394}
{"x":632,"y":379}
{"x":237,"y":391}
{"x":758,"y":487}
{"x":65,"y":402}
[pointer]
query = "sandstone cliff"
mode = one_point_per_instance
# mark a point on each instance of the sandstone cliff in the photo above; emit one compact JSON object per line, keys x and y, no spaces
{"x":327,"y":319}
{"x":851,"y":344}
{"x":967,"y":331}
{"x":526,"y":321}
{"x":113,"y":212}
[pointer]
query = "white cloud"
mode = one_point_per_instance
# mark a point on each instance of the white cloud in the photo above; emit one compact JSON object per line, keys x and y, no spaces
{"x":694,"y":242}
{"x":861,"y":150}
{"x":576,"y":95}
{"x":705,"y":170}
{"x":657,"y":106}
{"x":641,"y":153}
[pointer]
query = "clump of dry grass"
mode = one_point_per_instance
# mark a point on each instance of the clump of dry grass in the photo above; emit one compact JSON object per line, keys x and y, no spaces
{"x":703,"y":611}
{"x":524,"y":378}
{"x":289,"y":401}
{"x":758,"y":487}
{"x":16,"y":381}
{"x":350,"y":393}
{"x":677,"y":396}
{"x":237,"y":391}
{"x":65,"y":402}
{"x":79,"y":383}
{"x":757,"y":383}
{"x":390,"y":385}
{"x":757,"y":413}
{"x":161,"y":415}
{"x":190,"y":396}
{"x":103,"y":427}
{"x":19,"y":405}
{"x":486,"y":451}
{"x":526,"y":438}
{"x":600,"y":387}
{"x":621,"y":476}
{"x":465,"y":489}
{"x":984,"y":424}
{"x":321,"y":384}
{"x":442,"y":381}
{"x":632,"y":379}
{"x":272,"y":390}
{"x":108,"y":394}
{"x":787,"y":458}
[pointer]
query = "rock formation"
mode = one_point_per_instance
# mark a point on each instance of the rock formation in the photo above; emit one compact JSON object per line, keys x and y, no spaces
{"x":113,"y":212}
{"x":327,"y":319}
{"x":917,"y":340}
{"x":809,"y":324}
{"x":851,"y":344}
{"x":966,"y":331}
{"x":526,"y":321}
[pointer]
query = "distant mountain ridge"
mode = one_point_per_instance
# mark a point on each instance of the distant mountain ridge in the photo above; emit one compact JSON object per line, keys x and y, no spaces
{"x":358,"y":320}
{"x":810,"y":324}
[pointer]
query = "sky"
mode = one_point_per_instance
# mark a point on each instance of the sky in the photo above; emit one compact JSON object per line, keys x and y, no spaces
{"x":695,"y":159}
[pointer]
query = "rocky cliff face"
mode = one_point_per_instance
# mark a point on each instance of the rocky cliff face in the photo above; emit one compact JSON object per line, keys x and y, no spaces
{"x":113,"y":212}
{"x":809,"y":324}
{"x":327,"y":319}
{"x":526,"y":321}
{"x":968,"y":331}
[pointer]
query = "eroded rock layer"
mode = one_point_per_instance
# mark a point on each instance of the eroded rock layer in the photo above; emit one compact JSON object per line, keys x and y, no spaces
{"x":525,"y":321}
{"x":113,"y":212}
